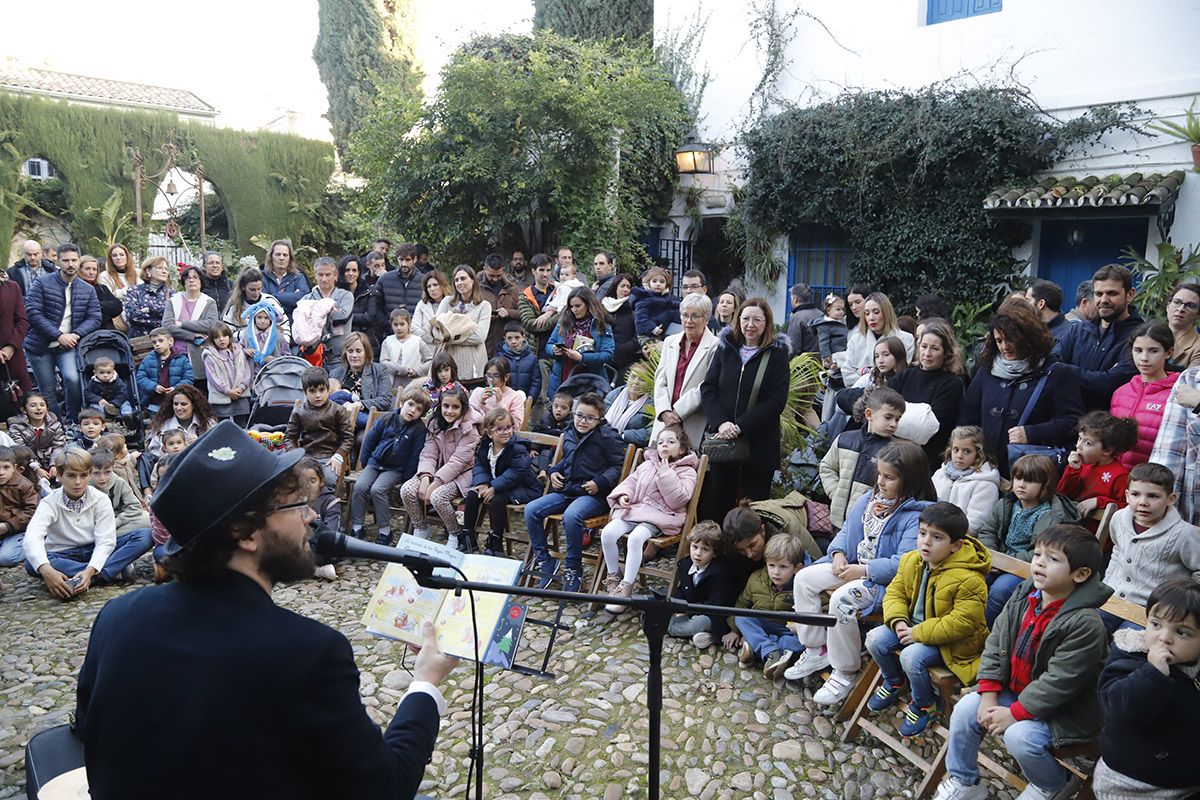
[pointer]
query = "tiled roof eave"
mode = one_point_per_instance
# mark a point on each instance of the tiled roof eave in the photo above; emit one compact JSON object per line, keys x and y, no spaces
{"x":110,"y":101}
{"x":1133,"y":194}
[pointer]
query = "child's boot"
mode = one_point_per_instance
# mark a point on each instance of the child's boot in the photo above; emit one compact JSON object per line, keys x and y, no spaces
{"x":383,"y":536}
{"x":467,"y":543}
{"x":494,"y":545}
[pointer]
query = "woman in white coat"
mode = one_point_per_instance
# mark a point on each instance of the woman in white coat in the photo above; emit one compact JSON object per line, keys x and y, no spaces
{"x":878,"y":320}
{"x":678,"y":403}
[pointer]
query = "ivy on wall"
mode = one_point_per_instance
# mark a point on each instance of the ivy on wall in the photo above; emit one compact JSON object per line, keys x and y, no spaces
{"x":259,"y":176}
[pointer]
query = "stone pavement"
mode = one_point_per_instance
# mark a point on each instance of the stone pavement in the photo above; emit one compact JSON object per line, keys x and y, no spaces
{"x":728,"y":732}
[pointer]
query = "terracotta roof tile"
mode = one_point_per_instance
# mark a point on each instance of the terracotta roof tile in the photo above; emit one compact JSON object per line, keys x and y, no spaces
{"x":1065,"y":191}
{"x":84,"y":87}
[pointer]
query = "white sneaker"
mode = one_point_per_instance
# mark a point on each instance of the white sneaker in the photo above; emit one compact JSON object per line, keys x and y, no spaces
{"x":451,"y":541}
{"x":836,"y":689}
{"x":422,"y":533}
{"x":703,"y":639}
{"x":810,"y":661}
{"x":1032,"y":792}
{"x":951,"y":789}
{"x":325,"y":572}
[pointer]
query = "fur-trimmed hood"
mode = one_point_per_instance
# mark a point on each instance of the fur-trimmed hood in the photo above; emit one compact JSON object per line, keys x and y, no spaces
{"x":725,"y":339}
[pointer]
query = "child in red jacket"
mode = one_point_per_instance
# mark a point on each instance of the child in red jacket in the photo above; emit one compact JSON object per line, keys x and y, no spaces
{"x":1094,"y":477}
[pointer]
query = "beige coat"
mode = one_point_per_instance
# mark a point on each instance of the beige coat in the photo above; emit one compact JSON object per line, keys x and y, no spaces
{"x":462,"y":335}
{"x":688,"y":406}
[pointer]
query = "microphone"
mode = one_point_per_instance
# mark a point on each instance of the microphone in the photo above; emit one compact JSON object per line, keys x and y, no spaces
{"x":337,"y":545}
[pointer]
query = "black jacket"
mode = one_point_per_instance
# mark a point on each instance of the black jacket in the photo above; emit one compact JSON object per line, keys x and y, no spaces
{"x":220,"y":670}
{"x":716,"y":588}
{"x":19,"y":272}
{"x":943,"y":391}
{"x":597,"y":456}
{"x":218,"y":289}
{"x":1102,"y":358}
{"x":725,"y":395}
{"x":390,"y":292}
{"x":514,"y":477}
{"x":110,"y":306}
{"x":624,"y":331}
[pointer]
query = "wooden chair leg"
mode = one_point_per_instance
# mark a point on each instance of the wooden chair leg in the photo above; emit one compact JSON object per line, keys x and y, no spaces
{"x":935,"y":774}
{"x":855,"y":704}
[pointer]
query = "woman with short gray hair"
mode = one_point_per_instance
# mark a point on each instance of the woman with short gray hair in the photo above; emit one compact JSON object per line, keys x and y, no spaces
{"x":681,"y":369}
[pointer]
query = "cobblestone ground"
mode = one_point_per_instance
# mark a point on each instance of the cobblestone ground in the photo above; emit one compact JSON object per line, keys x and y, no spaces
{"x":728,"y":732}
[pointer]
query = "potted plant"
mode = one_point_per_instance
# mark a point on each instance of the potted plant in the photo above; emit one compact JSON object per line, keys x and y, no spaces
{"x":1156,"y":282}
{"x":1188,"y":131}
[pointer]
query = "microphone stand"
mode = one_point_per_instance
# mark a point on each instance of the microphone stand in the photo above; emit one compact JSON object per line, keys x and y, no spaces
{"x":656,"y":614}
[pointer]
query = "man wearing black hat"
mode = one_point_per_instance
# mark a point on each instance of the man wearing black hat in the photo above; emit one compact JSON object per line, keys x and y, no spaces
{"x":204,"y":688}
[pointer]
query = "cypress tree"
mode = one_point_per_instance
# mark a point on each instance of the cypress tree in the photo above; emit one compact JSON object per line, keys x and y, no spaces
{"x":597,"y":19}
{"x":362,"y":46}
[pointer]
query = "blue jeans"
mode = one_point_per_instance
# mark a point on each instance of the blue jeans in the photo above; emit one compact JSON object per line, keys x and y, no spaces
{"x":896,"y":660}
{"x":575,"y":509}
{"x":11,"y":551}
{"x":70,"y":562}
{"x":1028,"y":741}
{"x":125,"y":409}
{"x":999,"y":590}
{"x":44,"y":366}
{"x":766,"y":636}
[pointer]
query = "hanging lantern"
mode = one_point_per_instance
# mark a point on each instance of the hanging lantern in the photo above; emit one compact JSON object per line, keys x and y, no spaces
{"x":694,"y":158}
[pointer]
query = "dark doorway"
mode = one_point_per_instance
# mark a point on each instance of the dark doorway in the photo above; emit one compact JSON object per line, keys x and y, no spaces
{"x":1070,"y":251}
{"x":712,"y":255}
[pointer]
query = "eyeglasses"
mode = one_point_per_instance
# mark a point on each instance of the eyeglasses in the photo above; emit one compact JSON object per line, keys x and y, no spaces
{"x":492,"y":376}
{"x":302,"y":503}
{"x":503,"y":429}
{"x":588,"y":418}
{"x":692,"y":317}
{"x":1177,"y":303}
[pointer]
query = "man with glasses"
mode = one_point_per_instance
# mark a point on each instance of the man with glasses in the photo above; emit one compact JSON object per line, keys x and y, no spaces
{"x":579,"y":485}
{"x":241,"y":698}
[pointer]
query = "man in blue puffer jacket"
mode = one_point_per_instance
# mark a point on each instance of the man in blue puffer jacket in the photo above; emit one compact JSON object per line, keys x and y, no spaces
{"x":56,"y":328}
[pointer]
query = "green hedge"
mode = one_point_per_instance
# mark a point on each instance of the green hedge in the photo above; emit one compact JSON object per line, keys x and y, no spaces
{"x":259,"y":176}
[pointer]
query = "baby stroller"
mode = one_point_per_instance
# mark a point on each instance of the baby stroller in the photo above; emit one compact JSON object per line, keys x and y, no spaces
{"x":114,"y":345}
{"x":276,"y":388}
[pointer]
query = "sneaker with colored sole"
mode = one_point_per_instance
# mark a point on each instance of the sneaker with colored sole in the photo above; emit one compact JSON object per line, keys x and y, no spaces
{"x":545,"y":568}
{"x":885,"y":696}
{"x":811,"y":661}
{"x":916,"y":720}
{"x":836,"y":689}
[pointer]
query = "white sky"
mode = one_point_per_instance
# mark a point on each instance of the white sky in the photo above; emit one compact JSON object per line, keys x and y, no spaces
{"x":252,"y":59}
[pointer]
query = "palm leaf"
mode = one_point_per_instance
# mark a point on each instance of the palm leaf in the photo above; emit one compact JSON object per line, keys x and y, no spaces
{"x":804,"y":381}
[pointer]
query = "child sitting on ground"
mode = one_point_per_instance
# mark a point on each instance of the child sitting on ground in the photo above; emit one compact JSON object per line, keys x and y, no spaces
{"x":403,"y":354}
{"x":323,"y":428}
{"x":496,"y":393}
{"x":769,"y":589}
{"x":654,"y":309}
{"x":162,"y":370}
{"x":324,"y":504}
{"x":91,"y":428}
{"x":1027,"y":509}
{"x":71,"y":539}
{"x":1151,"y":543}
{"x":37,"y":428}
{"x":863,"y":558}
{"x":652,"y":501}
{"x":847,"y":470}
{"x":18,"y":500}
{"x":932,"y":615}
{"x":392,"y":448}
{"x":525,"y":374}
{"x":444,"y":467}
{"x":106,"y":392}
{"x":174,"y":442}
{"x":967,"y":478}
{"x":1037,"y":676}
{"x":130,"y":517}
{"x":1150,"y":697}
{"x":1094,"y":477}
{"x":23,"y":459}
{"x":703,"y":577}
{"x":503,"y":474}
{"x":124,"y":462}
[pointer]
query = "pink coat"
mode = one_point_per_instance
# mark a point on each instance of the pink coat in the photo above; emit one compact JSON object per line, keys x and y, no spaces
{"x":1144,"y":402}
{"x":511,"y":399}
{"x":449,"y":455}
{"x":660,"y":500}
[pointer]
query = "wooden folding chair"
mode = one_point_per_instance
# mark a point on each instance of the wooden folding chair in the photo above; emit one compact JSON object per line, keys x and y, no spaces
{"x":542,"y":440}
{"x":350,"y":476}
{"x":1105,"y":523}
{"x":528,"y":413}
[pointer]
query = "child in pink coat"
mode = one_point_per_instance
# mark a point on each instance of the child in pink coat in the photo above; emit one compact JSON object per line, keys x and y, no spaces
{"x":1145,"y":397}
{"x":444,"y":468}
{"x":498,"y":394}
{"x":652,"y":501}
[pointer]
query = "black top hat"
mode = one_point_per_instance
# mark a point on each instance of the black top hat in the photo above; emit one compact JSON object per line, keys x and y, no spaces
{"x":214,"y":480}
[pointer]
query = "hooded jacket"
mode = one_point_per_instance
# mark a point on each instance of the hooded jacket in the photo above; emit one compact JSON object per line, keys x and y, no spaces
{"x":449,"y":455}
{"x":975,"y":493}
{"x":652,"y":310}
{"x":179,"y":373}
{"x":1144,"y":402}
{"x":899,"y":536}
{"x":595,"y":456}
{"x":658,"y":499}
{"x":524,"y":373}
{"x":955,"y":597}
{"x":514,"y":476}
{"x":847,"y":470}
{"x":725,"y":395}
{"x":994,"y":530}
{"x":1101,"y":357}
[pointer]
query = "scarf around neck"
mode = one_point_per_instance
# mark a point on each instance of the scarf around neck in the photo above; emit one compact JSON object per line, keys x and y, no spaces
{"x":1007,"y":370}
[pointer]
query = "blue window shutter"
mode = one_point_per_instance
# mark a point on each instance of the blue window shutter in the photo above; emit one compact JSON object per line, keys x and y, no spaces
{"x":946,"y":10}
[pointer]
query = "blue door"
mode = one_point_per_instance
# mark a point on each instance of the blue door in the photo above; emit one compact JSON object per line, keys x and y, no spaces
{"x":1095,"y":243}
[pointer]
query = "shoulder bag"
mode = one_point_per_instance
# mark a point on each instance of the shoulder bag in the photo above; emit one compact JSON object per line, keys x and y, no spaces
{"x":734,"y":451}
{"x":1056,"y":454}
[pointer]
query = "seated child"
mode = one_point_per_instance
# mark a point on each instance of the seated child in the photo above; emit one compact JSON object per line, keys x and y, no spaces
{"x":932,"y":615}
{"x":889,"y":358}
{"x":1146,"y":396}
{"x":392,"y":448}
{"x":23,"y":459}
{"x":18,"y":500}
{"x":325,"y":505}
{"x":703,"y":577}
{"x":158,"y":532}
{"x":91,"y":428}
{"x":443,"y":375}
{"x":654,"y":309}
{"x":129,"y":514}
{"x":652,"y":501}
{"x":496,"y":393}
{"x":769,"y":589}
{"x":72,"y":536}
{"x":525,"y":375}
{"x":555,"y":421}
{"x":105,"y":391}
{"x":628,"y":412}
{"x":863,"y":558}
{"x":444,"y":466}
{"x":174,"y":442}
{"x":503,"y":474}
{"x":262,"y":338}
{"x":162,"y":370}
{"x":967,"y":478}
{"x":567,"y":283}
{"x":847,"y":470}
{"x":1037,"y":676}
{"x":579,"y":486}
{"x":1150,"y":697}
{"x":1094,"y":477}
{"x":1029,"y":508}
{"x":1151,"y":543}
{"x":403,"y":354}
{"x":323,"y":428}
{"x":124,"y":462}
{"x":37,"y":428}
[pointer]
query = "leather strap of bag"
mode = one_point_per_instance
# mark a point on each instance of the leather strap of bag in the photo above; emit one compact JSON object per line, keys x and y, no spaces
{"x":758,"y":379}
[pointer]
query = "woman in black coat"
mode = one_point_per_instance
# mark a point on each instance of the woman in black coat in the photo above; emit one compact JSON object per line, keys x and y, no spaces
{"x":110,"y":306}
{"x":1016,"y":355}
{"x":619,"y":305}
{"x":349,"y":279}
{"x":725,"y":395}
{"x":938,"y":380}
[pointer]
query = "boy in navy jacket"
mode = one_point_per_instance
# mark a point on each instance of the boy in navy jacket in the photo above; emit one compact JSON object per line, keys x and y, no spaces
{"x":525,"y":373}
{"x":162,"y":365}
{"x":705,"y":578}
{"x":392,"y":448}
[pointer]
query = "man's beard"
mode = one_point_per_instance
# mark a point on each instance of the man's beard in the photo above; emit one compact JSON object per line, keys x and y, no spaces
{"x":283,"y":562}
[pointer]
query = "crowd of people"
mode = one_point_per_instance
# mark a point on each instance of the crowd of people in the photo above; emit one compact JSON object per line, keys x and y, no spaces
{"x":929,"y":468}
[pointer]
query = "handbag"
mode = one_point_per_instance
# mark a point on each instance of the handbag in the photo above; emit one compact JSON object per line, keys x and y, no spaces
{"x":1056,"y":454}
{"x":734,"y":451}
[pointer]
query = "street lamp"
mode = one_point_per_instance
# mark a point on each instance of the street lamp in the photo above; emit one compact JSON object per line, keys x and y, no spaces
{"x":694,"y":158}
